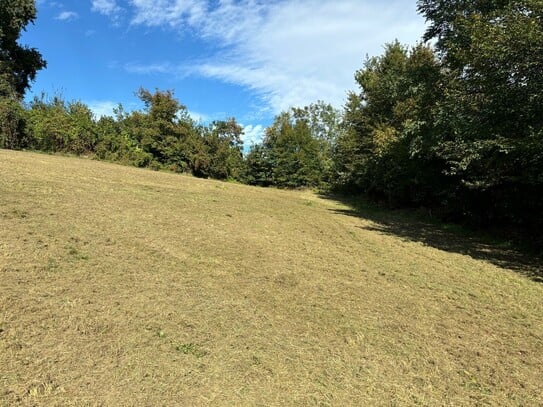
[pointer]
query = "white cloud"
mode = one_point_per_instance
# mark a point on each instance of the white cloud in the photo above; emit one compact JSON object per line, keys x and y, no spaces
{"x":291,"y":52}
{"x":67,"y":16}
{"x":147,"y":69}
{"x":171,"y":12}
{"x":252,"y":134}
{"x":47,"y":3}
{"x":108,"y":8}
{"x":102,"y":108}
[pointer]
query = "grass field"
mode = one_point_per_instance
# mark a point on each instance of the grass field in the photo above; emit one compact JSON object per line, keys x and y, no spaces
{"x":122,"y":287}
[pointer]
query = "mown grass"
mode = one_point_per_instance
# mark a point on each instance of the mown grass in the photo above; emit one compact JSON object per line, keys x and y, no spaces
{"x":125,"y":287}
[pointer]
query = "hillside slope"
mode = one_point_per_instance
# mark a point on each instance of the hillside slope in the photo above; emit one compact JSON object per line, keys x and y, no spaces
{"x":126,"y":287}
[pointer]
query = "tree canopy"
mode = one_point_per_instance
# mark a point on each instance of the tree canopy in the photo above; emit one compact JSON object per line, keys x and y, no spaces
{"x":18,"y":63}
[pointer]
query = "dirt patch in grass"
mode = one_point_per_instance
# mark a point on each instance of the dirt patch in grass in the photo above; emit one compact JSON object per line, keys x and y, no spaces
{"x":122,"y":286}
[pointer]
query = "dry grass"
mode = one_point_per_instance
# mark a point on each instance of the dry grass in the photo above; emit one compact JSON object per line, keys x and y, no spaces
{"x":125,"y":287}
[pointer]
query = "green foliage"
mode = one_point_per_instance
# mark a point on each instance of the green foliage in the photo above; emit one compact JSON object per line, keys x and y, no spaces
{"x":385,"y":149}
{"x":223,"y":145}
{"x":295,"y":153}
{"x":162,"y":136}
{"x":297,"y":149}
{"x":18,"y":67}
{"x":459,"y":130}
{"x":259,"y":166}
{"x":116,"y":141}
{"x":58,"y":126}
{"x":18,"y":64}
{"x":324,"y":122}
{"x":12,"y":124}
{"x":489,"y":119}
{"x":162,"y":128}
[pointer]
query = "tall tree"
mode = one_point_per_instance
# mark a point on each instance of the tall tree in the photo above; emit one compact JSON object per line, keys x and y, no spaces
{"x":324,"y":123}
{"x":217,"y":151}
{"x":385,"y":149}
{"x":162,"y":129}
{"x":18,"y":63}
{"x":297,"y":148}
{"x":259,"y":166}
{"x":289,"y":154}
{"x":225,"y":148}
{"x":491,"y":117}
{"x":18,"y":67}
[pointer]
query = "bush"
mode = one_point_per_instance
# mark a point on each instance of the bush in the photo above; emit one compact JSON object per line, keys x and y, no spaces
{"x":12,"y":124}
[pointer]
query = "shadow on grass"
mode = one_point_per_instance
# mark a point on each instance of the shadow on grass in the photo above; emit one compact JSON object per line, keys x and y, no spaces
{"x":415,"y":226}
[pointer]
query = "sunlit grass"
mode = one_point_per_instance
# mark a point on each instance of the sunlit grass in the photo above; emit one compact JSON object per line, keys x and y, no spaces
{"x":122,"y":286}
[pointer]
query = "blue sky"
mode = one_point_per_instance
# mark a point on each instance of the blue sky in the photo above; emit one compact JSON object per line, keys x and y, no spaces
{"x":249,"y":59}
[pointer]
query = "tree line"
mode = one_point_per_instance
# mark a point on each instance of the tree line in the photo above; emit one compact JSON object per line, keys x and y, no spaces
{"x":453,"y":124}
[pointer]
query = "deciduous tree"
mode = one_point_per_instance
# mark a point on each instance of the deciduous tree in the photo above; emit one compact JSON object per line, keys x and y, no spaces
{"x":18,"y":63}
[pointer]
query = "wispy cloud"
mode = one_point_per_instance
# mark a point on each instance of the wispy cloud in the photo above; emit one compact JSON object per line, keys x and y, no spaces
{"x":49,"y":3}
{"x":147,"y":69}
{"x":174,"y":13}
{"x":67,"y":16}
{"x":252,"y":134}
{"x":289,"y":52}
{"x":108,"y":8}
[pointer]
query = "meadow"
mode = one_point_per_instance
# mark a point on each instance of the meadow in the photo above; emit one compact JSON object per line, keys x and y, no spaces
{"x":122,"y":286}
